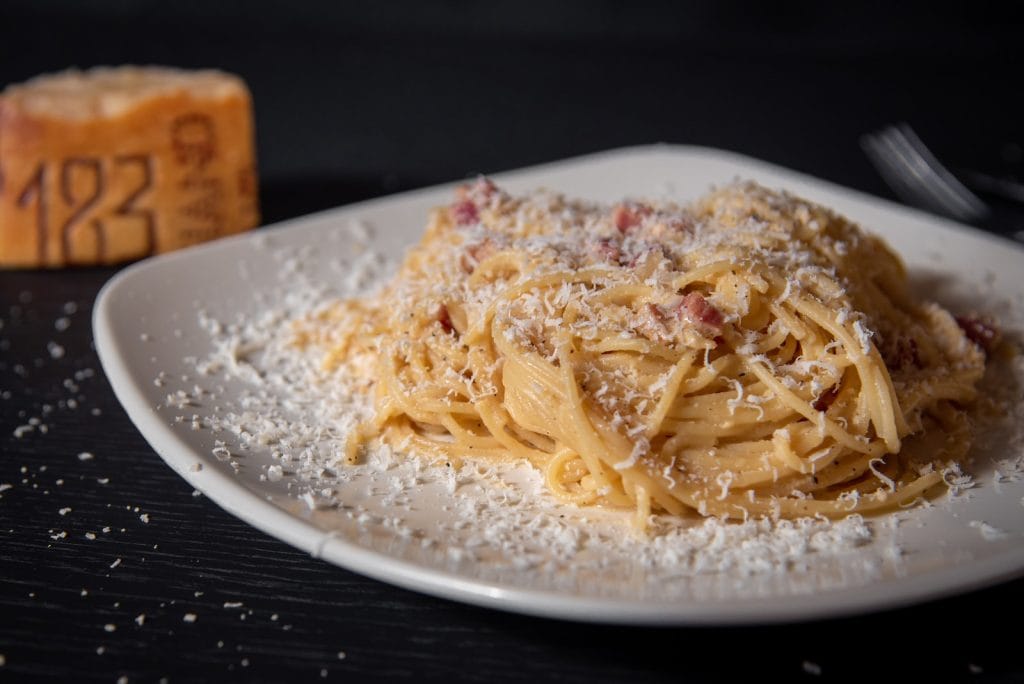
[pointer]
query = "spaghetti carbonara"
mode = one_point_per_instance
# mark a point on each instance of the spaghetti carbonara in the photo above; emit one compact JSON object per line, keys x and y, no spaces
{"x":751,"y":355}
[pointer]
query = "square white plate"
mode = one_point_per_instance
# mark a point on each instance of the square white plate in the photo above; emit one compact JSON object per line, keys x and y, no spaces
{"x":146,"y":322}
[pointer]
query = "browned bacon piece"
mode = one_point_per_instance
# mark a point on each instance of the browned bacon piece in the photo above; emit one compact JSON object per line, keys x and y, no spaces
{"x":469,"y":198}
{"x":702,"y":314}
{"x":629,"y":215}
{"x":465,"y":212}
{"x":980,"y":331}
{"x":656,"y":312}
{"x":445,"y":320}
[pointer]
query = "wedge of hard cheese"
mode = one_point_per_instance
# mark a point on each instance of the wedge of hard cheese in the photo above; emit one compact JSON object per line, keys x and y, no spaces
{"x":112,"y":164}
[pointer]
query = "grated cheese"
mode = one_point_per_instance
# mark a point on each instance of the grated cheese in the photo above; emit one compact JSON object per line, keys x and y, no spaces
{"x":886,"y":480}
{"x":988,"y":532}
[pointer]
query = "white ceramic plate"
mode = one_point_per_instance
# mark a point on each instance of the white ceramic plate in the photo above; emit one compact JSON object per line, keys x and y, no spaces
{"x":146,"y":322}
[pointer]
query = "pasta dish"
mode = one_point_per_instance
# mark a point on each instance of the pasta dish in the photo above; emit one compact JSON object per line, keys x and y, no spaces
{"x":750,"y":355}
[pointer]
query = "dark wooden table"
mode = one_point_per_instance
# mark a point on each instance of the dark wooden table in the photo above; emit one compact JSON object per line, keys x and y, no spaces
{"x":111,"y":566}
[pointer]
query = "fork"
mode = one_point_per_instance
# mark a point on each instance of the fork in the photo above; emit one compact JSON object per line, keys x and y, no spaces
{"x":917,"y":176}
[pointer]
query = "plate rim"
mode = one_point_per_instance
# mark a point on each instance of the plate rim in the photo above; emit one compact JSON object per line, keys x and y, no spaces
{"x":245,"y":504}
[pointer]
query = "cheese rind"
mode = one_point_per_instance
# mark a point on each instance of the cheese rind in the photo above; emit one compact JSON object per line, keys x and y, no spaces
{"x":113,"y":164}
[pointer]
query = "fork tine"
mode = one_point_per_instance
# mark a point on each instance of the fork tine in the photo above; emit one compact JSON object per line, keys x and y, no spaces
{"x":928,"y":186}
{"x":970,"y":205}
{"x":893,"y":170}
{"x":923,"y":177}
{"x":914,"y":173}
{"x":906,"y":179}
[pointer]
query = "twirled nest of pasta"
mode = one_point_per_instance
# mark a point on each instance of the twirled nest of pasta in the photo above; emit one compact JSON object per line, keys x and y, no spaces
{"x":752,"y":354}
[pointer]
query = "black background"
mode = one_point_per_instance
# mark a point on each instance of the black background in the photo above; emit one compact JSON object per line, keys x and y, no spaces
{"x":360,"y":99}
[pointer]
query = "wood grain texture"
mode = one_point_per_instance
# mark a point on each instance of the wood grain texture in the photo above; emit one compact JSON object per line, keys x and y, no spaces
{"x":300,"y":619}
{"x":415,"y":96}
